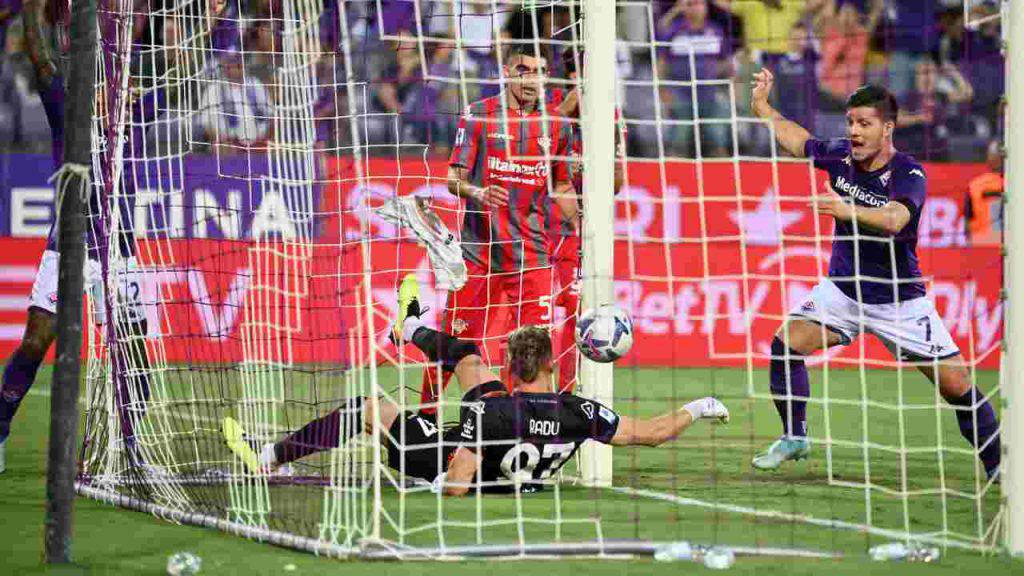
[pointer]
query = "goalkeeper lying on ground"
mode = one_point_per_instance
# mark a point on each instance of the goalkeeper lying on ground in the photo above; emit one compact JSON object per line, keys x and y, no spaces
{"x":503,"y":439}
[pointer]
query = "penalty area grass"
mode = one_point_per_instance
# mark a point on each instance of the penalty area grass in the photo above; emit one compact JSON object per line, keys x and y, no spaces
{"x":109,"y":540}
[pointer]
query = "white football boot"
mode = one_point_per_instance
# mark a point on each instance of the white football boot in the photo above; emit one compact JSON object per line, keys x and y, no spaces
{"x":443,"y":248}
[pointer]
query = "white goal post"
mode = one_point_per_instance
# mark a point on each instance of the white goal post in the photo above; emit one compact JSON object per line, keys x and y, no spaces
{"x":598,"y":240}
{"x":1013,"y":371}
{"x":270,"y":280}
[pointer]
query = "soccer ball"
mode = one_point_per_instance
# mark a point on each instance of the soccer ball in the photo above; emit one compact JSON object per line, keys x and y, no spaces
{"x":605,"y":333}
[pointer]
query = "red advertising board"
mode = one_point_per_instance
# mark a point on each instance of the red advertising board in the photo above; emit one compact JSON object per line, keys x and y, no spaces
{"x":708,"y":259}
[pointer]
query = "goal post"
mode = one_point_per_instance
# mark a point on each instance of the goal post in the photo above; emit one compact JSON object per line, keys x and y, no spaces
{"x":1013,"y":379}
{"x":73,"y":182}
{"x":270,"y":270}
{"x":598,"y":238}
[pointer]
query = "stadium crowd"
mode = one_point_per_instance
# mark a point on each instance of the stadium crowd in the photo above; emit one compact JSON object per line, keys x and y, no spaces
{"x":949,"y":78}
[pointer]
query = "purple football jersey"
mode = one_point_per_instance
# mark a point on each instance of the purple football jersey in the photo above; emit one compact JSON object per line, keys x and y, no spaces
{"x":884,"y":269}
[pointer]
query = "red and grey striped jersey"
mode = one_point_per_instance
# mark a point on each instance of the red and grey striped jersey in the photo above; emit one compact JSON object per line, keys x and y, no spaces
{"x":525,"y":153}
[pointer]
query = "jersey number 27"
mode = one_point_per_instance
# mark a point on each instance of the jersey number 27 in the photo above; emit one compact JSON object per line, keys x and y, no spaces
{"x":542,"y":465}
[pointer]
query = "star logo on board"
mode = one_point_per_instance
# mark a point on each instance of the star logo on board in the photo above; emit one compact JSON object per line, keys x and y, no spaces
{"x":765,"y":225}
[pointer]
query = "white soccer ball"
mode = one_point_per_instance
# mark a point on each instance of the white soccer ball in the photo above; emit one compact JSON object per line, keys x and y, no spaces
{"x":605,"y":333}
{"x":184,"y":564}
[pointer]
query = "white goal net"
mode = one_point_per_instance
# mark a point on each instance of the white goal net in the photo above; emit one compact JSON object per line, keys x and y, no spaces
{"x":245,"y":147}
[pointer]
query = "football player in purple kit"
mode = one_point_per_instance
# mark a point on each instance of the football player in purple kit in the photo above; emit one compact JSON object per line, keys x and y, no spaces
{"x":46,"y":27}
{"x":874,"y":284}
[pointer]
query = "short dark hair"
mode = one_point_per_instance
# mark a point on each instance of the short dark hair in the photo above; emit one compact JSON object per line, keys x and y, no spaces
{"x":522,"y":48}
{"x":529,"y":352}
{"x":876,"y":97}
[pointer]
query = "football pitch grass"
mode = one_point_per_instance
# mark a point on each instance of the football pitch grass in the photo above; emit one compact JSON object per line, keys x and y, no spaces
{"x":708,"y":464}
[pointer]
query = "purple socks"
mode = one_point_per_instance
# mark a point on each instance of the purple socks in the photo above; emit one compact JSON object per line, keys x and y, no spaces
{"x":980,"y":427}
{"x":19,"y":374}
{"x":323,"y":433}
{"x":789,"y":378}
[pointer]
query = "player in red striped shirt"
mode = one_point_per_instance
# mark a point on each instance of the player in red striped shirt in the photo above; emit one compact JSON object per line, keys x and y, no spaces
{"x":564,"y":230}
{"x":509,"y":160}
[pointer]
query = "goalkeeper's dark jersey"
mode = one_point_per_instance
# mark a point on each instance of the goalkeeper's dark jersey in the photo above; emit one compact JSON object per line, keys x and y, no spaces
{"x":523,"y":438}
{"x":527,"y":437}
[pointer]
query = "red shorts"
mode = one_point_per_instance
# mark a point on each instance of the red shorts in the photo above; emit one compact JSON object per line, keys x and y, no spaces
{"x":490,"y":305}
{"x":567,"y":270}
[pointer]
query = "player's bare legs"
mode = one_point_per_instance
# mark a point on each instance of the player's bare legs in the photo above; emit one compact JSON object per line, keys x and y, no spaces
{"x":21,"y":370}
{"x":790,"y":385}
{"x":975,"y":415}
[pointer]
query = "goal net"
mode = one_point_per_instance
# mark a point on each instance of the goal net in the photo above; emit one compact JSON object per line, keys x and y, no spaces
{"x":243,"y":151}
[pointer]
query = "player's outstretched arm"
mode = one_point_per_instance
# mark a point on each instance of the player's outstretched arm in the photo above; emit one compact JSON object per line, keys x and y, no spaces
{"x":790,"y":135}
{"x":660,"y":429}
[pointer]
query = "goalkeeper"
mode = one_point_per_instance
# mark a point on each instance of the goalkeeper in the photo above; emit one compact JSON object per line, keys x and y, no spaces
{"x":504,"y":440}
{"x":875,"y":194}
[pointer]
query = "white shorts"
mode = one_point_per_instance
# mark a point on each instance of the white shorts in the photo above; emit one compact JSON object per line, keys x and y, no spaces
{"x":128,"y":301}
{"x":911,"y":330}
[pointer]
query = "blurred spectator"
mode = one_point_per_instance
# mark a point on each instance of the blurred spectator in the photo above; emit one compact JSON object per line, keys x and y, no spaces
{"x":925,"y":111}
{"x":754,"y":137}
{"x":9,"y":9}
{"x":665,"y":10}
{"x":429,"y":109}
{"x":796,"y":75}
{"x":844,"y":46}
{"x":261,"y":49}
{"x":225,"y":28}
{"x":403,"y":72}
{"x":396,"y":17}
{"x":978,"y":54}
{"x":235,"y":110}
{"x":478,"y":26}
{"x":10,"y":100}
{"x":910,"y":33}
{"x":333,"y":129}
{"x":689,"y":31}
{"x":767,"y":24}
{"x":983,"y":208}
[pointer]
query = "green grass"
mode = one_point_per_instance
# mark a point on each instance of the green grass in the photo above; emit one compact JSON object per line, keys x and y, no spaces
{"x":708,"y":464}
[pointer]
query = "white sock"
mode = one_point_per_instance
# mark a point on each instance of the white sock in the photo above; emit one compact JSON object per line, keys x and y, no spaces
{"x":410,"y":326}
{"x":267,"y":457}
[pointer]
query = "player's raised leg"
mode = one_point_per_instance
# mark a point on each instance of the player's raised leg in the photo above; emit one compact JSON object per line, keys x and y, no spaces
{"x":456,"y":356}
{"x":790,"y":386}
{"x":467,"y":315}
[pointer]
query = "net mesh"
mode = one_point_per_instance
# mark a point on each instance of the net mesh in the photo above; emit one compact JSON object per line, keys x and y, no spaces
{"x":242,"y":149}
